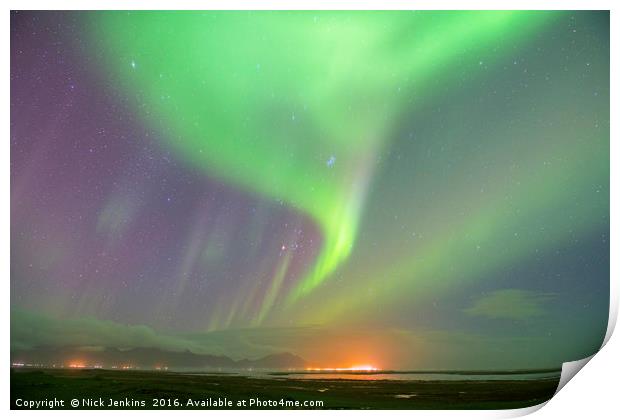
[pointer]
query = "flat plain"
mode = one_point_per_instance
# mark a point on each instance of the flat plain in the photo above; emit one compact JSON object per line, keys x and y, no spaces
{"x":170,"y":390}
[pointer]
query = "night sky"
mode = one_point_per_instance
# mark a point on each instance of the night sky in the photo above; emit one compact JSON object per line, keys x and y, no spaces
{"x":402,"y":189}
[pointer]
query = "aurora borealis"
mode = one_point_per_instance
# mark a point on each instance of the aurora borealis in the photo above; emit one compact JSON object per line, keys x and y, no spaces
{"x":402,"y":189}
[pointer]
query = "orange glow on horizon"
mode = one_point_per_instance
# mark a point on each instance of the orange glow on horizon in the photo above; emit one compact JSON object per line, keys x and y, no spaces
{"x":77,"y":365}
{"x":358,"y":368}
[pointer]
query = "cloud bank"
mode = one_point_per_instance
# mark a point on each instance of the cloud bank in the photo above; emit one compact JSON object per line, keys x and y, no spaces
{"x":512,"y":304}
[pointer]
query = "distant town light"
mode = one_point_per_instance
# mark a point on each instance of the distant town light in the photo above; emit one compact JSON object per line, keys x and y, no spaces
{"x":358,"y":368}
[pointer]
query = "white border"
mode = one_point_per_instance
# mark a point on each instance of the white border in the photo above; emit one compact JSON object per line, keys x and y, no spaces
{"x":596,"y":384}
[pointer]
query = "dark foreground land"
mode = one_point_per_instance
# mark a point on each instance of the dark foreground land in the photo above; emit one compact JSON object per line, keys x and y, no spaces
{"x":109,"y":389}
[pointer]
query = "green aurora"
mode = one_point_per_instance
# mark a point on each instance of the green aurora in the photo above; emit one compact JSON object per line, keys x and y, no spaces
{"x":344,"y":77}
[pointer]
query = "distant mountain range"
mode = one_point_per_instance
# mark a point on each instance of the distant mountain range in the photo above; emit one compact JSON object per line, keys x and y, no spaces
{"x":149,"y":358}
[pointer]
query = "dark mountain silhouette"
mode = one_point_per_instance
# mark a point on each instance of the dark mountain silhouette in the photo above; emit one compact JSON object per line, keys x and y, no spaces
{"x":279,"y":360}
{"x":149,"y":358}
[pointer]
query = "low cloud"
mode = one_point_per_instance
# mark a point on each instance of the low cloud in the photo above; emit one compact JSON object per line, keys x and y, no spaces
{"x":31,"y":330}
{"x":388,"y":348}
{"x":512,"y":304}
